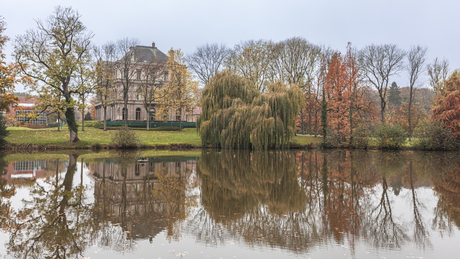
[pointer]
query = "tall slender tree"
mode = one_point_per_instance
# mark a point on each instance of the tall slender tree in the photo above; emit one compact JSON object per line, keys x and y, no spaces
{"x":127,"y":69}
{"x":180,"y":87}
{"x":439,"y":73}
{"x":447,"y":107}
{"x":415,"y":68}
{"x":151,"y":87}
{"x":105,"y":76}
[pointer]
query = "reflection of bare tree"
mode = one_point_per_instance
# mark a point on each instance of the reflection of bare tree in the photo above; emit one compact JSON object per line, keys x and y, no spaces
{"x":56,"y":223}
{"x":420,"y":232}
{"x":379,"y":225}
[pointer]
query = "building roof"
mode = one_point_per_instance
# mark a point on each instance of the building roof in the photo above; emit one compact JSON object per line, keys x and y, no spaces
{"x":146,"y":53}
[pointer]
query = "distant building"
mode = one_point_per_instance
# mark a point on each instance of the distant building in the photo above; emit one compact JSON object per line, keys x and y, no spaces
{"x":135,"y":108}
{"x":21,"y":113}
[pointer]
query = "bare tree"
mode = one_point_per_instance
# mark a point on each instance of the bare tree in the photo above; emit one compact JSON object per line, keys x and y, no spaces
{"x":299,"y":59}
{"x":126,"y":67}
{"x":106,"y":57}
{"x":151,"y":86}
{"x":438,"y":72}
{"x":250,"y":60}
{"x":378,"y":63}
{"x":207,"y":60}
{"x":415,"y":68}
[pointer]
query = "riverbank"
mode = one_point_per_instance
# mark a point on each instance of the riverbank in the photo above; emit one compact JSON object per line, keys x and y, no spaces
{"x":24,"y":139}
{"x":93,"y":138}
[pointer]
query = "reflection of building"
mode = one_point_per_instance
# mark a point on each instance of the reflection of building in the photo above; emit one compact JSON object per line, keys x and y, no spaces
{"x":25,"y":169}
{"x":132,"y":193}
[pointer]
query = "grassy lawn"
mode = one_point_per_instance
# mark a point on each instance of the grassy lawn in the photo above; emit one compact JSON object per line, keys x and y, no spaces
{"x":306,"y":139}
{"x":92,"y":136}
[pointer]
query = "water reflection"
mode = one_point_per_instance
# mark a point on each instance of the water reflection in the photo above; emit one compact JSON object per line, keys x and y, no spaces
{"x":295,"y":202}
{"x":55,"y":222}
{"x":143,"y":195}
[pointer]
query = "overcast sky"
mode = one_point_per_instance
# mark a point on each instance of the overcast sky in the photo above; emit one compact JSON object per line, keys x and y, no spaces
{"x":186,"y":24}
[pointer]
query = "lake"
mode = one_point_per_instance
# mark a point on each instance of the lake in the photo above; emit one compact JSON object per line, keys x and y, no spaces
{"x":231,"y":204}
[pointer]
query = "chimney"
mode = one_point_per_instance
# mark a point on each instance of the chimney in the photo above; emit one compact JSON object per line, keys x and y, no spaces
{"x":153,"y":45}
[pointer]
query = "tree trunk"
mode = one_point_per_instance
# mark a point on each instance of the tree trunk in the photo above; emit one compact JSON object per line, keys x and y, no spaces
{"x":301,"y":123}
{"x":73,"y":128}
{"x":125,"y":106}
{"x":180,"y":120}
{"x":382,"y":110}
{"x":59,"y":121}
{"x":351,"y":123}
{"x":410,"y":128}
{"x":148,"y":117}
{"x":83,"y":120}
{"x":105,"y":118}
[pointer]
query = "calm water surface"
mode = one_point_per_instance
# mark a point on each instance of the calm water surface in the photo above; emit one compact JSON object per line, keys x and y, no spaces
{"x":337,"y":204}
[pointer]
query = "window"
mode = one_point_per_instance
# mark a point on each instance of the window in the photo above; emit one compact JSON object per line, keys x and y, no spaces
{"x":138,"y":75}
{"x":124,"y":113}
{"x":25,"y":116}
{"x":166,"y":77}
{"x":138,"y":114}
{"x":138,"y":95}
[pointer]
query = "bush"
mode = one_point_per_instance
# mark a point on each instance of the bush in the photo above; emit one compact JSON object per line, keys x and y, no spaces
{"x":390,"y":136}
{"x":3,"y":132}
{"x":125,"y":138}
{"x":433,"y":135}
{"x":332,"y":140}
{"x":361,"y":138}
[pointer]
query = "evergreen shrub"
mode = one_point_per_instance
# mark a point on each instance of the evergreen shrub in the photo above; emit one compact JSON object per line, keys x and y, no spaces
{"x":433,"y":135}
{"x":390,"y":136}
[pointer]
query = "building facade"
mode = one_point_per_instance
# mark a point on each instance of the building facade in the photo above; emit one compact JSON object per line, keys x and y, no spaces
{"x":142,"y":61}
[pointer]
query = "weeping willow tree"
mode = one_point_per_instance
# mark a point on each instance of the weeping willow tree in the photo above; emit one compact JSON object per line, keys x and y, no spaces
{"x":236,"y":115}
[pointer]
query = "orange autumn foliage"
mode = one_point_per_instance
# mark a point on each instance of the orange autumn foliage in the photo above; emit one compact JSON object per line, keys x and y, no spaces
{"x":447,"y":108}
{"x":338,"y":95}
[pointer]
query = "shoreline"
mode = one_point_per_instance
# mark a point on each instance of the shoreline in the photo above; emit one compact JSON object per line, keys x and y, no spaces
{"x":31,"y":147}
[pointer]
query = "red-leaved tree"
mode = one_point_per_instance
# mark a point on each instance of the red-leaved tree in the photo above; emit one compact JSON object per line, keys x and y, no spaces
{"x":447,"y":108}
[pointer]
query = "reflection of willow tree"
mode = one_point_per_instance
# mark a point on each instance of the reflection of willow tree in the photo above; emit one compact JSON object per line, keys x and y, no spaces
{"x":380,"y":225}
{"x":56,"y":222}
{"x":254,"y":195}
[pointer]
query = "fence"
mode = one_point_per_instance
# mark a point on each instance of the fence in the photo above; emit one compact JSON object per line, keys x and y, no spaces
{"x":143,"y":124}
